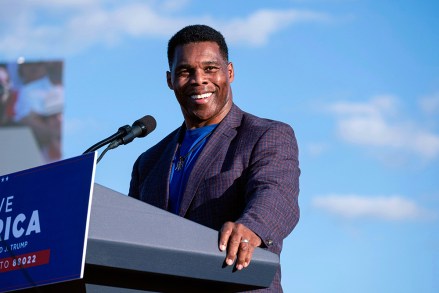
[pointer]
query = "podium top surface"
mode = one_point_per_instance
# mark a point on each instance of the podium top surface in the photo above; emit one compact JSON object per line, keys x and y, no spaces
{"x":128,"y":234}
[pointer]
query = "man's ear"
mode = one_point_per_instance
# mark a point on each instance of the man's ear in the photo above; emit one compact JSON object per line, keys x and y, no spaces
{"x":168,"y":79}
{"x":231,"y":72}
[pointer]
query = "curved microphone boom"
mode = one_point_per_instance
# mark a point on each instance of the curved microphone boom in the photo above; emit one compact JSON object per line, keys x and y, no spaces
{"x":126,"y":134}
{"x":123,"y":130}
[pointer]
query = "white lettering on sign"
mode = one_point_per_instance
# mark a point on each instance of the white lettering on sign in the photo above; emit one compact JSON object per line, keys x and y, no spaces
{"x":6,"y":203}
{"x":18,"y":225}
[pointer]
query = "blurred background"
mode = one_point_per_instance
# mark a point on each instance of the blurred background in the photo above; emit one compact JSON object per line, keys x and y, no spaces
{"x":357,"y":80}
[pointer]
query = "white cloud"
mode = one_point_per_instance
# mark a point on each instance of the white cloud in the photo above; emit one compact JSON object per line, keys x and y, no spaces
{"x":430,"y":104}
{"x":66,"y":27}
{"x":257,"y":27}
{"x":379,"y":123}
{"x":316,"y":149}
{"x":174,"y":5}
{"x":379,"y":105}
{"x":393,"y":208}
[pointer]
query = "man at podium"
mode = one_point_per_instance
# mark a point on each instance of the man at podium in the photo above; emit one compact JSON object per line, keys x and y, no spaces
{"x":223,"y":168}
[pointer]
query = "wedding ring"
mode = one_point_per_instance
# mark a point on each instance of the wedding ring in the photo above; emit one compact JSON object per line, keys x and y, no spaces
{"x":244,"y":241}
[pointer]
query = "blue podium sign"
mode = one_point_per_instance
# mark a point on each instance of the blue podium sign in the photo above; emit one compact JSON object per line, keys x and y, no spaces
{"x":44,"y":217}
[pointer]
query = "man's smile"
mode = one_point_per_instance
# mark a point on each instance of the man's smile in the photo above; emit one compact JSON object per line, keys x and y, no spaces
{"x":202,"y":96}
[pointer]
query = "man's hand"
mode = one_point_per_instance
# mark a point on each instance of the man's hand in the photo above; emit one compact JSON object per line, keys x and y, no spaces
{"x":240,"y":243}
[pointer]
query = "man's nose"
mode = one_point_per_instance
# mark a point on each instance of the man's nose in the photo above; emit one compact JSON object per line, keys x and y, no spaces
{"x":198,"y":77}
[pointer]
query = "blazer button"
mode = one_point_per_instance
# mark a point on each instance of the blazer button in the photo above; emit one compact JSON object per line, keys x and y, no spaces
{"x":269,"y":242}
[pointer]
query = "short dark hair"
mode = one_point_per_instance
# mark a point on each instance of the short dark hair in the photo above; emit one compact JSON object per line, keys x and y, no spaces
{"x":195,"y":34}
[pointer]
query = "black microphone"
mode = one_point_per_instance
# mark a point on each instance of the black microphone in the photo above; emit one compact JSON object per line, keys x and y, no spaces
{"x":140,"y":128}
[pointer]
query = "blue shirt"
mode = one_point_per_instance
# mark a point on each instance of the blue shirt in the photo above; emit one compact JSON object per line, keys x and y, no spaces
{"x":193,"y":142}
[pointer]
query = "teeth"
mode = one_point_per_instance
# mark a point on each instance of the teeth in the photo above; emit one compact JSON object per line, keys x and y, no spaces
{"x":203,"y":96}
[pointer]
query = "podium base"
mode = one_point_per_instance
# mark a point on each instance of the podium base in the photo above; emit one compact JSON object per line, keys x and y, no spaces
{"x":99,"y":279}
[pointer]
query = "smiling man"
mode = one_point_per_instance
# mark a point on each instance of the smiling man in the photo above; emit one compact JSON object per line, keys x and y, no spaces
{"x":223,"y":168}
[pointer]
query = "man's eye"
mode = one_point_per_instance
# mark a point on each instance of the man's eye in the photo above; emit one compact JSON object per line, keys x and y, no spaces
{"x":182,"y":72}
{"x":211,"y":68}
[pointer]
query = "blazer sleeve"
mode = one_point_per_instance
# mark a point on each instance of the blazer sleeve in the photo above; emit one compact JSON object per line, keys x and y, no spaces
{"x":134,"y":183}
{"x":272,"y":186}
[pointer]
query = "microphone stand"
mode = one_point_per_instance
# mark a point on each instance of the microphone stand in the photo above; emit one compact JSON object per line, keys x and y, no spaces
{"x":122,"y":131}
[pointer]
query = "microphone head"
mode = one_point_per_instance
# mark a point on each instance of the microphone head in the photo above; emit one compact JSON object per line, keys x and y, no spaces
{"x":147,"y":124}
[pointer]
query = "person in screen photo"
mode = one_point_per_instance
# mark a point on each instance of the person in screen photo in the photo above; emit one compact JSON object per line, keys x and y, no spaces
{"x":40,"y":104}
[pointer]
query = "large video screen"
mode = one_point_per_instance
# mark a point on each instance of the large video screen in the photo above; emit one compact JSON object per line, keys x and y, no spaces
{"x":32,"y":94}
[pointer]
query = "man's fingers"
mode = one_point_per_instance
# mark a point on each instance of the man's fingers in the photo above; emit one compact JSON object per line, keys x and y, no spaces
{"x":232,"y":248}
{"x":240,"y":243}
{"x":226,"y":230}
{"x":244,"y":249}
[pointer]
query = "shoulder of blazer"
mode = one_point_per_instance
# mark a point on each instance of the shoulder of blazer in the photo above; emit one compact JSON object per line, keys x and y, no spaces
{"x":240,"y":118}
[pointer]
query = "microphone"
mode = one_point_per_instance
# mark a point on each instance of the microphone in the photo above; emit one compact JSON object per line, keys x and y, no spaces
{"x":125,"y":135}
{"x":140,"y":128}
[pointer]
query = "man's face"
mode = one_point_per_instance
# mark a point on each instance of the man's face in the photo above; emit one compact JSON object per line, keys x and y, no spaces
{"x":200,"y":78}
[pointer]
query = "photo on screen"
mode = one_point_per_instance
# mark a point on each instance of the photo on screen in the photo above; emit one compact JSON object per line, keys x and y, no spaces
{"x":32,"y":95}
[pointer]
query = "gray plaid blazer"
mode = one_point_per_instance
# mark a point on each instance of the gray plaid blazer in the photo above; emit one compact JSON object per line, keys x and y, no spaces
{"x":248,"y":172}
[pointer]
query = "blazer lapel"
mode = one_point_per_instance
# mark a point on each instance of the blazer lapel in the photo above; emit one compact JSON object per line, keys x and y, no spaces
{"x":160,"y":196}
{"x":219,"y":141}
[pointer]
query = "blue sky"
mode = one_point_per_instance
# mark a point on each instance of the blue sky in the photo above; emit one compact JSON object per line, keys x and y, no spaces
{"x":357,"y":80}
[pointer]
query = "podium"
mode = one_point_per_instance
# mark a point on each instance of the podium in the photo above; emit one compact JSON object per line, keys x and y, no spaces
{"x":135,"y":247}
